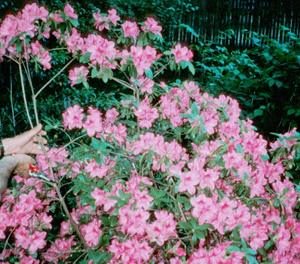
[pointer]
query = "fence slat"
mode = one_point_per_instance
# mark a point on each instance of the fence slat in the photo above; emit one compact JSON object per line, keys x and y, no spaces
{"x":262,"y":16}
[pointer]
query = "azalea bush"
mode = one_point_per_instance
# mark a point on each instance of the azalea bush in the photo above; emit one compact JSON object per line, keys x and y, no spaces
{"x":169,"y":174}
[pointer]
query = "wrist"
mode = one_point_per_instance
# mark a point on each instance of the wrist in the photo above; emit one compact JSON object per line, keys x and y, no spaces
{"x":1,"y":150}
{"x":8,"y":148}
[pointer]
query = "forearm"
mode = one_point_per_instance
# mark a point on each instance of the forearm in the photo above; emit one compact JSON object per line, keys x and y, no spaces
{"x":7,"y":166}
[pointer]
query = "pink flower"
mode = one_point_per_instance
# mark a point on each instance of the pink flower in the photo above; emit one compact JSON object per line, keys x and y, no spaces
{"x":29,"y":201}
{"x":130,"y":29}
{"x":35,"y":48}
{"x":145,"y":114}
{"x":37,"y":241}
{"x":96,"y":170}
{"x":56,"y":18}
{"x":99,"y":196}
{"x":205,"y":208}
{"x":93,"y":123}
{"x":143,"y":58}
{"x":22,"y":237}
{"x":102,"y":21}
{"x":59,"y":249}
{"x":102,"y":50}
{"x":113,"y":17}
{"x":33,"y":242}
{"x":45,"y":59}
{"x":33,"y":11}
{"x":188,"y":181}
{"x":145,"y":84}
{"x":75,"y":41}
{"x":152,"y":25}
{"x":232,"y":159}
{"x":142,"y":199}
{"x":92,"y":232}
{"x":73,"y":117}
{"x":29,"y":260}
{"x":283,"y":236}
{"x":163,"y":228}
{"x":69,"y":10}
{"x":111,"y":115}
{"x":131,"y":251}
{"x":133,"y":221}
{"x":182,"y":53}
{"x":254,"y":144}
{"x":208,"y":178}
{"x":78,"y":75}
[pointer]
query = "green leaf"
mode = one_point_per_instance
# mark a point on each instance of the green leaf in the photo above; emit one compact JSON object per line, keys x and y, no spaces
{"x":149,"y":74}
{"x":87,"y":199}
{"x":251,"y":259}
{"x":239,"y":148}
{"x":185,"y":225}
{"x":199,"y":234}
{"x":271,"y":82}
{"x":168,"y":52}
{"x":278,"y":84}
{"x":94,"y":73}
{"x":291,"y":111}
{"x":195,"y":109}
{"x":244,"y":244}
{"x":189,"y":29}
{"x":124,"y":196}
{"x":285,"y":190}
{"x":191,"y":68}
{"x":205,"y":227}
{"x":183,"y":64}
{"x":99,"y":256}
{"x":13,"y":40}
{"x":86,"y":84}
{"x":185,"y":201}
{"x":73,"y":21}
{"x":251,"y":251}
{"x":86,"y":57}
{"x":233,"y":248}
{"x":258,"y":112}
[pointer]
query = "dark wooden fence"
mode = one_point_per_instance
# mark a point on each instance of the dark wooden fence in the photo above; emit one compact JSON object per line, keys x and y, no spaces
{"x":262,"y":16}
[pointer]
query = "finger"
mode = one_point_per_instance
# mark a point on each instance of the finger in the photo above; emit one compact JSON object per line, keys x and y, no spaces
{"x":43,"y":133}
{"x":32,"y":132}
{"x":38,"y":149}
{"x":40,"y":139}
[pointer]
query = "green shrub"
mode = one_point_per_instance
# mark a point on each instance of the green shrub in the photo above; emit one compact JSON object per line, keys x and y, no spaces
{"x":264,"y":78}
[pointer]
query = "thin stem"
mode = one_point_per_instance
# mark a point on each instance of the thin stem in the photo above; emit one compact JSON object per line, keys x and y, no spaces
{"x":6,"y":241}
{"x":57,"y":49}
{"x":27,"y":70}
{"x":72,"y":222}
{"x":65,"y":208}
{"x":11,"y":99}
{"x":122,"y":82}
{"x":24,"y":94}
{"x":37,"y":94}
{"x":161,"y":69}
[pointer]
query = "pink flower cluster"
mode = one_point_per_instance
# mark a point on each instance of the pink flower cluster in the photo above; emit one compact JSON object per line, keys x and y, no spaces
{"x":151,"y":25}
{"x":102,"y":21}
{"x":25,"y":215}
{"x":182,"y":53}
{"x":145,"y":114}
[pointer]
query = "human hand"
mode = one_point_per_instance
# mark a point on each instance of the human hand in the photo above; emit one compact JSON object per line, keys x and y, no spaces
{"x":22,"y":167}
{"x":27,"y":143}
{"x":17,"y":164}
